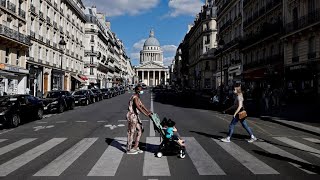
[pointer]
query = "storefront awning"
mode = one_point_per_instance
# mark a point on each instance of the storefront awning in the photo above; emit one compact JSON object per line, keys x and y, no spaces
{"x":78,"y":79}
{"x":83,"y":77}
{"x":4,"y":74}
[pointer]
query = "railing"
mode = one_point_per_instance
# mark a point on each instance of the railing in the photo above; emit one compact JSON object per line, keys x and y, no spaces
{"x":67,"y":51}
{"x":304,"y":21}
{"x":3,"y":3}
{"x":49,"y":1}
{"x":13,"y":34}
{"x":22,"y":13}
{"x":61,"y":29}
{"x":11,"y":6}
{"x":40,"y":60}
{"x":33,"y":34}
{"x":48,"y":20}
{"x":55,"y":25}
{"x":295,"y":59}
{"x":55,"y":5}
{"x":55,"y":45}
{"x":312,"y":55}
{"x":227,"y":24}
{"x":31,"y":58}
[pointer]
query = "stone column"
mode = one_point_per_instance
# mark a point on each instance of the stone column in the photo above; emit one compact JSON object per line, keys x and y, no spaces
{"x":148,"y":78}
{"x":142,"y":78}
{"x":165,"y":77}
{"x":159,"y":77}
{"x":154,"y":78}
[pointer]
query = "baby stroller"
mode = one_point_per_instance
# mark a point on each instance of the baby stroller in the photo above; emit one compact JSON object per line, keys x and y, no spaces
{"x":168,"y":145}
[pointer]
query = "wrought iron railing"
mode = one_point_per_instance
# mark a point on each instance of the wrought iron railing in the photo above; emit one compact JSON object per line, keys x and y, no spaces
{"x":33,"y":34}
{"x":13,"y":34}
{"x":22,"y":13}
{"x":11,"y":6}
{"x":304,"y":21}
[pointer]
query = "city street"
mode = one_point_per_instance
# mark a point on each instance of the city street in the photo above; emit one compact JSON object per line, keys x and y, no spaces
{"x":89,"y":143}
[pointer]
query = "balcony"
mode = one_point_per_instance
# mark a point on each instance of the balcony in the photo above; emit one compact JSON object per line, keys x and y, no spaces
{"x":55,"y":5}
{"x":40,"y":60}
{"x":61,"y":29}
{"x":32,"y":34}
{"x":90,"y":53}
{"x":227,"y":24}
{"x":304,"y":21}
{"x":41,"y":15}
{"x":40,"y":38}
{"x":3,"y":3}
{"x":22,"y":13}
{"x":72,"y":53}
{"x":312,"y":55}
{"x":11,"y":6}
{"x":31,"y":58}
{"x":48,"y":42}
{"x":49,"y":2}
{"x":295,"y":59}
{"x":55,"y":45}
{"x":13,"y":34}
{"x":33,"y":9}
{"x":67,"y":51}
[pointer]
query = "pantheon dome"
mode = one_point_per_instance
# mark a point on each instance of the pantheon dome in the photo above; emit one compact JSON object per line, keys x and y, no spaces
{"x":151,"y":51}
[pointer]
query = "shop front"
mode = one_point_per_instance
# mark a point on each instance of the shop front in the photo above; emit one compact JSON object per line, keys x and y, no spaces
{"x":57,"y":79}
{"x":13,"y":79}
{"x":35,"y":79}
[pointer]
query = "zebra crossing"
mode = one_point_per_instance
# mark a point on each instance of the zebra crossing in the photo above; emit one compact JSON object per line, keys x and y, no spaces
{"x":109,"y":162}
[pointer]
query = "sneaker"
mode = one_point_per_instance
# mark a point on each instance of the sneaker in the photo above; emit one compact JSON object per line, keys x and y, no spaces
{"x":227,"y":140}
{"x":252,"y":140}
{"x":132,"y":151}
{"x":139,"y":150}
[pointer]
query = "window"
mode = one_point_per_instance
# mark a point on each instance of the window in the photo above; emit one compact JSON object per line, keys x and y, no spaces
{"x":92,"y":48}
{"x":312,"y":44}
{"x":295,"y":50}
{"x":91,"y":70}
{"x":91,"y":60}
{"x":39,"y":53}
{"x":18,"y":57}
{"x":311,"y":6}
{"x":47,"y":54}
{"x":207,"y":68}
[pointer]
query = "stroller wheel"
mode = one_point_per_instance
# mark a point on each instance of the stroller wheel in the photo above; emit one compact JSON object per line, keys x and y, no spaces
{"x":182,"y":154}
{"x":159,"y":154}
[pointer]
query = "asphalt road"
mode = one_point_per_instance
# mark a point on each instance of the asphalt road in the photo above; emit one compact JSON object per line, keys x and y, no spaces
{"x":89,"y":143}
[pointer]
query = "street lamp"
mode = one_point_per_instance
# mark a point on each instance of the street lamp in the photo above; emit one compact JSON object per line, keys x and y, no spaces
{"x":220,"y":46}
{"x":62,"y":45}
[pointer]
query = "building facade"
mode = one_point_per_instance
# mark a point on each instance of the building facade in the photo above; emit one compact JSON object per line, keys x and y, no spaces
{"x":151,"y":70}
{"x":14,"y":46}
{"x":261,"y":45}
{"x":302,"y":47}
{"x":230,"y":30}
{"x":52,"y":65}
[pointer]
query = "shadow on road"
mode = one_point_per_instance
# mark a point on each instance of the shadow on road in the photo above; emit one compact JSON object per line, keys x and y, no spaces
{"x":303,"y":165}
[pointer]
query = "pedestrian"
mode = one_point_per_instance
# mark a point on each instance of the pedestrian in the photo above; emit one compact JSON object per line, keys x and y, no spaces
{"x":134,"y":122}
{"x":238,"y":104}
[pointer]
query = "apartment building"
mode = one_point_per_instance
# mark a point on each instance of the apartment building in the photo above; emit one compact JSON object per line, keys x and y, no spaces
{"x":261,"y":45}
{"x":302,"y":47}
{"x":14,"y":46}
{"x":55,"y":59}
{"x":229,"y":24}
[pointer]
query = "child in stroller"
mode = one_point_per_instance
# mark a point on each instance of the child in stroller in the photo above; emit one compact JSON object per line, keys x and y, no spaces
{"x":170,"y":144}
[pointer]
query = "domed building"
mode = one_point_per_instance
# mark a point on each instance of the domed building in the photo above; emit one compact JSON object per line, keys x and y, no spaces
{"x":151,"y":70}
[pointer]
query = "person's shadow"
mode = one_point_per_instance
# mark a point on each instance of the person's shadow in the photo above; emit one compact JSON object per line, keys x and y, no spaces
{"x":121,"y":145}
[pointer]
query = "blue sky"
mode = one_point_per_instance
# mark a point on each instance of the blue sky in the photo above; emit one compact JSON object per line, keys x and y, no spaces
{"x":132,"y":20}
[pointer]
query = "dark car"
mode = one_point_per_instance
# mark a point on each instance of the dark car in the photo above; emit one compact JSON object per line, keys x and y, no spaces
{"x":98,"y":93}
{"x":106,"y":93}
{"x":117,"y":90}
{"x":15,"y":108}
{"x":113,"y":91}
{"x":122,"y":90}
{"x":58,"y":101}
{"x":83,"y":97}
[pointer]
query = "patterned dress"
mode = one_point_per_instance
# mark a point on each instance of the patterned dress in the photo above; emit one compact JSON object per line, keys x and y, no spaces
{"x":134,"y":123}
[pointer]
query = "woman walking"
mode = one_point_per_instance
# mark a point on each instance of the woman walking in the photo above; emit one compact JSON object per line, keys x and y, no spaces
{"x":134,"y":122}
{"x":238,"y":103}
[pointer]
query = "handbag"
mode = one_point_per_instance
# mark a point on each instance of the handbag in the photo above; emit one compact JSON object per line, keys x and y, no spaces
{"x":242,"y":114}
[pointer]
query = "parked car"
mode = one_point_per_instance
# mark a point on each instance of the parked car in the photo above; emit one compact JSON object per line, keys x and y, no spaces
{"x":83,"y":97}
{"x":122,"y":89}
{"x":15,"y":108}
{"x":113,"y":91}
{"x":106,"y":93}
{"x":58,"y":101}
{"x":98,"y":94}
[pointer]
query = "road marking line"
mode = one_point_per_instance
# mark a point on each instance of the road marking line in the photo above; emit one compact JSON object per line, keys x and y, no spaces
{"x":314,"y":140}
{"x":109,"y":162}
{"x":41,"y":122}
{"x":28,"y":156}
{"x":81,"y":121}
{"x":127,"y":120}
{"x":153,"y":166}
{"x":298,"y":145}
{"x":6,"y":131}
{"x":60,"y":164}
{"x":121,"y":125}
{"x":246,"y":159}
{"x":15,"y":145}
{"x":2,"y":140}
{"x":101,"y":121}
{"x":277,"y":151}
{"x":152,"y":132}
{"x":204,"y":164}
{"x":61,"y":121}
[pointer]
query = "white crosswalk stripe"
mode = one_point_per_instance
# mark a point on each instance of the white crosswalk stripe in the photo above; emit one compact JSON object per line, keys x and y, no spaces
{"x":300,"y":146}
{"x":249,"y":161}
{"x":15,"y":145}
{"x":2,"y":140}
{"x":277,"y":151}
{"x":153,"y":166}
{"x":56,"y":167}
{"x":30,"y":155}
{"x":314,"y":140}
{"x":110,"y":160}
{"x":204,"y":164}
